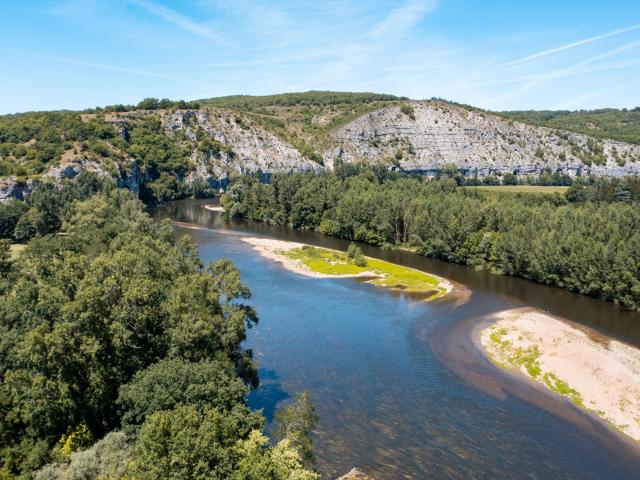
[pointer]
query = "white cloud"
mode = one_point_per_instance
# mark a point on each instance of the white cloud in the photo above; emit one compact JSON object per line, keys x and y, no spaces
{"x":568,"y":46}
{"x":404,"y":18}
{"x":179,"y":20}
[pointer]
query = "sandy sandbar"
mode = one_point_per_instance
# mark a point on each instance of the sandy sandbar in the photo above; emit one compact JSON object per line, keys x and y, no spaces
{"x":605,"y":375}
{"x":214,"y":208}
{"x":270,"y":248}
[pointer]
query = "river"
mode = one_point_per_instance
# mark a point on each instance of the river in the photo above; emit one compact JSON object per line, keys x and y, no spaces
{"x":400,"y":386}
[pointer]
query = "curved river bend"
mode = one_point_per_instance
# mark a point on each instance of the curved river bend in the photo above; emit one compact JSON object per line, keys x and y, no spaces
{"x":400,"y":386}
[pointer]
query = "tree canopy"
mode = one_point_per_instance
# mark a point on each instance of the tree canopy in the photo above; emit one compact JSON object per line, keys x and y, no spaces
{"x":114,"y":335}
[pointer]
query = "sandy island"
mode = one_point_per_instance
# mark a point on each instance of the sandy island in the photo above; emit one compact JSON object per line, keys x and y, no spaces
{"x":270,"y":248}
{"x":600,"y":376}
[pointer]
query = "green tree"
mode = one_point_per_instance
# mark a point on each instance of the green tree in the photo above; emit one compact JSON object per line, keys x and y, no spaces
{"x":295,"y":422}
{"x":172,"y":382}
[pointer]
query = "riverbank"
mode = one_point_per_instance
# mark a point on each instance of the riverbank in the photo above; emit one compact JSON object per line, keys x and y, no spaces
{"x":596,"y":373}
{"x":326,"y":263}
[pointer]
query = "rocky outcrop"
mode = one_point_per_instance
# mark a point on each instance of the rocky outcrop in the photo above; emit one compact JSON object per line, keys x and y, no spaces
{"x":12,"y":188}
{"x":436,"y":134}
{"x":244,"y":147}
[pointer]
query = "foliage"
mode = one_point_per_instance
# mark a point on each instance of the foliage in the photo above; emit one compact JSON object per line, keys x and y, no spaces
{"x":106,"y":459}
{"x":46,"y":207}
{"x":29,"y":142}
{"x":116,"y":324}
{"x":408,"y":110}
{"x":312,"y":97}
{"x":354,"y":253}
{"x":588,"y":242}
{"x":295,"y":423}
{"x":185,"y":443}
{"x":172,"y":382}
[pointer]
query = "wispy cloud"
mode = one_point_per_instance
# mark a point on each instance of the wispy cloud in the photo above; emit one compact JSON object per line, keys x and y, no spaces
{"x":403,"y":18}
{"x":568,"y":46}
{"x":101,"y":66}
{"x":178,"y":19}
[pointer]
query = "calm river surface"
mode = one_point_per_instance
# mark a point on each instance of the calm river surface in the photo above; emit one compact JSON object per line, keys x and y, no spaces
{"x":400,"y":386}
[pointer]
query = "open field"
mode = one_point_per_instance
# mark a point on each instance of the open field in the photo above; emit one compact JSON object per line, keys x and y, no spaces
{"x":538,"y":189}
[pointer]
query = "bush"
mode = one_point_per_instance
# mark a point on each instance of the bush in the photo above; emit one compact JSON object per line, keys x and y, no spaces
{"x":408,"y":110}
{"x":107,"y":458}
{"x":25,"y":229}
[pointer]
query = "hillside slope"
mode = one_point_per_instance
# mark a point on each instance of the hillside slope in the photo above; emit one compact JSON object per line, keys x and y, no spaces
{"x":616,"y":124}
{"x":429,"y":135}
{"x":165,"y":148}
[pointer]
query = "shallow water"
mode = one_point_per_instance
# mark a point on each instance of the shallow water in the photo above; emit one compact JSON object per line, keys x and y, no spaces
{"x":400,"y":387}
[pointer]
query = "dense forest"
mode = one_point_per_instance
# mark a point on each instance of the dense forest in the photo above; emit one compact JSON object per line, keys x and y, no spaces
{"x":587,"y":241}
{"x":121,"y":353}
{"x":623,"y":125}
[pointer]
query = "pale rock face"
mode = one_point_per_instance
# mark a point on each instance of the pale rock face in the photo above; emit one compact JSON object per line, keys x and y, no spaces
{"x":444,"y":134}
{"x":254,"y":149}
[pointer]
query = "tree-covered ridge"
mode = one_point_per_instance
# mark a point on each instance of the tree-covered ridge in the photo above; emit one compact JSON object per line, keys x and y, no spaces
{"x":312,"y":97}
{"x":587,"y":241}
{"x":30,"y":144}
{"x":121,"y":354}
{"x":615,"y":124}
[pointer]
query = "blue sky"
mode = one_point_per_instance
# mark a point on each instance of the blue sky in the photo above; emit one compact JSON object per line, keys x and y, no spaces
{"x":518,"y":54}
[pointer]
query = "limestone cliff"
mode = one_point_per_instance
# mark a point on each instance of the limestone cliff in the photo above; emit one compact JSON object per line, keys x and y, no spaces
{"x":430,"y":135}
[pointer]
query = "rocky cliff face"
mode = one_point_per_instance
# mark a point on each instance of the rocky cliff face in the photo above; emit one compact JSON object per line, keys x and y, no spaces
{"x":246,"y":148}
{"x":432,"y":134}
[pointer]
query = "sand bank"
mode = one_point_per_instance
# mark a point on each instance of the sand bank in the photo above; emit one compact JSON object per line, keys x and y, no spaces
{"x":214,"y":208}
{"x":600,"y":376}
{"x":269,"y":248}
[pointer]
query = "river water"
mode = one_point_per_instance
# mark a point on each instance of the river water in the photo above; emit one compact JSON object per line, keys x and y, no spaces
{"x":400,"y":386}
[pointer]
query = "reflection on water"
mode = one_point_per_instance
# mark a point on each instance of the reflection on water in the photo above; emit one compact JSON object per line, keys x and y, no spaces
{"x":399,"y":386}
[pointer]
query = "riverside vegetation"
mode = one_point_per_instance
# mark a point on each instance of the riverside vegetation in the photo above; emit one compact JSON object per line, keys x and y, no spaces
{"x":586,"y":241}
{"x":121,"y":353}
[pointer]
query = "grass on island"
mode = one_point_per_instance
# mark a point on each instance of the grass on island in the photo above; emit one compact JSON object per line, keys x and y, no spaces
{"x":527,"y":358}
{"x":537,"y":189}
{"x":390,"y":275}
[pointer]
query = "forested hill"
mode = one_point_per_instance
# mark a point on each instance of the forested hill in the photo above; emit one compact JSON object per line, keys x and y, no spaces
{"x":164,"y":150}
{"x":622,"y":125}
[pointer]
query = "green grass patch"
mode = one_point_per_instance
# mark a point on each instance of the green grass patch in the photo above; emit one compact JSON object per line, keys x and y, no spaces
{"x":397,"y":277}
{"x":528,"y":358}
{"x":560,"y":386}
